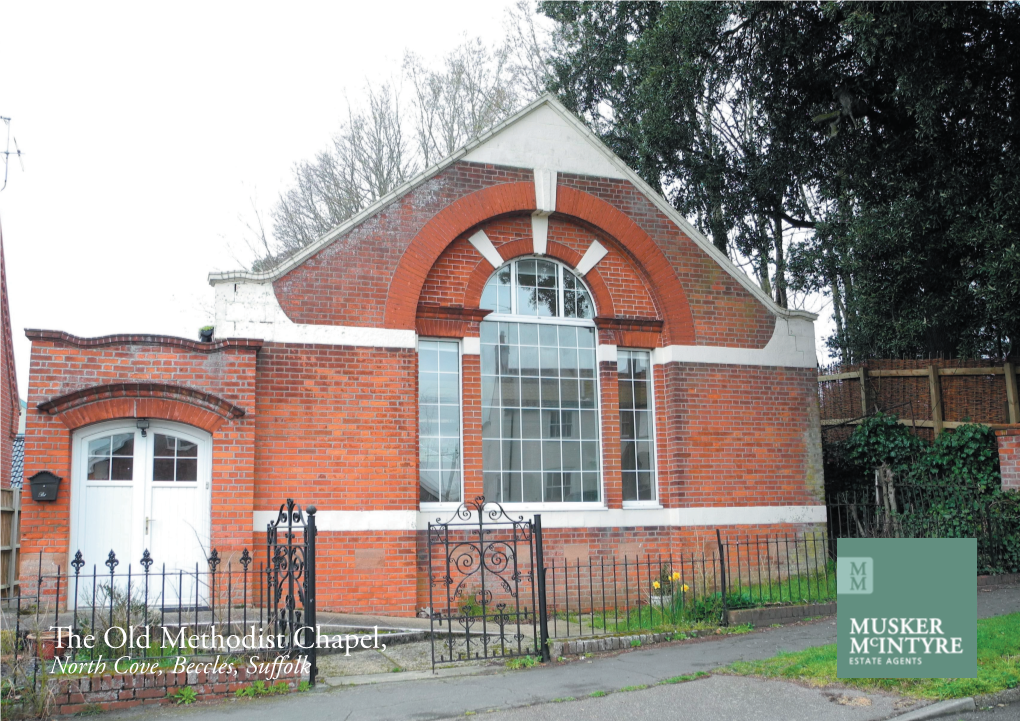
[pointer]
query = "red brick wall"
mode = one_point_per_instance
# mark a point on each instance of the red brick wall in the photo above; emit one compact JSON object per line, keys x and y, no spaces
{"x":119,"y":691}
{"x":1009,"y":457}
{"x":648,"y":548}
{"x":725,"y":313}
{"x":337,"y":427}
{"x":62,"y":364}
{"x":348,"y":282}
{"x":739,"y":436}
{"x":448,"y":282}
{"x":366,"y":572}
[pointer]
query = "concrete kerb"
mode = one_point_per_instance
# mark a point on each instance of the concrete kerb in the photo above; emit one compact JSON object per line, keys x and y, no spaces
{"x":937,"y":710}
{"x":780,"y":614}
{"x":1010,"y":695}
{"x":607,"y":644}
{"x":377,"y":678}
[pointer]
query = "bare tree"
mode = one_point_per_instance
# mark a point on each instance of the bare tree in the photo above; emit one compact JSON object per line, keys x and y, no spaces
{"x":529,"y":48}
{"x":472,"y":90}
{"x":368,"y":158}
{"x":391,"y":135}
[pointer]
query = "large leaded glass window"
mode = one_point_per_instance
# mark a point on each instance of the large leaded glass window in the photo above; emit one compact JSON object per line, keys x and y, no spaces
{"x":637,"y":449}
{"x":540,"y":417}
{"x":439,"y":421}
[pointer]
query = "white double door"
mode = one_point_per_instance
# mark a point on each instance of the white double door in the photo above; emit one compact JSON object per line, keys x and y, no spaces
{"x":136,"y":490}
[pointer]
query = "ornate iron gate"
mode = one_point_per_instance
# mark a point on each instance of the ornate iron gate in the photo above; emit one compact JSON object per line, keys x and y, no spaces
{"x":290,"y":582}
{"x":482,"y":577}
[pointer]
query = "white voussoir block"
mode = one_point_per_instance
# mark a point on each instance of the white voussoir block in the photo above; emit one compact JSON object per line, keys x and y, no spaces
{"x":484,"y":246}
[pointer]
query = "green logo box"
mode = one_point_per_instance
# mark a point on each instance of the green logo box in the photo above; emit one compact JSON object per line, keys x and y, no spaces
{"x":907,"y":608}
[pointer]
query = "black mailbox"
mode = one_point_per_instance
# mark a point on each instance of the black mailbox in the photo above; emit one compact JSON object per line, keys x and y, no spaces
{"x":44,"y":486}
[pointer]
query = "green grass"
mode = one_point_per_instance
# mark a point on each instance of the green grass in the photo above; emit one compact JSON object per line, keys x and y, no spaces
{"x":522,"y":662}
{"x":261,"y":688}
{"x":682,"y":679}
{"x":998,"y":660}
{"x":642,"y":687}
{"x":819,"y":587}
{"x":598,"y":694}
{"x":701,"y":611}
{"x":184,"y":695}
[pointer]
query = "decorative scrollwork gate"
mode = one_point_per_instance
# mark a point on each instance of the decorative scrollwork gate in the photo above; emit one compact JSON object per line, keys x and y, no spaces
{"x":483,"y":585}
{"x":290,"y":582}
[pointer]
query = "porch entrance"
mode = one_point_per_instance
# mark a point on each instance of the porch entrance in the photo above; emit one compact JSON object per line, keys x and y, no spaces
{"x":140,"y":488}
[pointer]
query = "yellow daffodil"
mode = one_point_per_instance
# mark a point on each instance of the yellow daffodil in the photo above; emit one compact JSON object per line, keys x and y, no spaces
{"x":655,"y":584}
{"x":676,"y":576}
{"x":684,"y":588}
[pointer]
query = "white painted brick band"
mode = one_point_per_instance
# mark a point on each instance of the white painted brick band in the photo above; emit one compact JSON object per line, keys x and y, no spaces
{"x":595,"y":518}
{"x":792,"y":346}
{"x":251,"y":310}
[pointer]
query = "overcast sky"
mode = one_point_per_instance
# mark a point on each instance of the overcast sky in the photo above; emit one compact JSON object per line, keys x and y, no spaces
{"x":147,"y":129}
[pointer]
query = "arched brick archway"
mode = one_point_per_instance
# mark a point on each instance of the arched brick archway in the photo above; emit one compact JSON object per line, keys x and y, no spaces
{"x":471,"y":210}
{"x":142,"y":400}
{"x":431,"y":241}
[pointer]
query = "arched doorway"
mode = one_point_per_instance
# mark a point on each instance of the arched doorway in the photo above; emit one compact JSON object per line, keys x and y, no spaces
{"x":138,"y":488}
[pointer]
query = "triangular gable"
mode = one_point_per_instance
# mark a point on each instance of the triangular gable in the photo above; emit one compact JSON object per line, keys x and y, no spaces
{"x":543,"y":135}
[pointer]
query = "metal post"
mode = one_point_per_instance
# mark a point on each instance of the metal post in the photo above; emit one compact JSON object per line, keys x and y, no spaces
{"x":722,"y":569}
{"x":310,"y":593}
{"x":543,"y":618}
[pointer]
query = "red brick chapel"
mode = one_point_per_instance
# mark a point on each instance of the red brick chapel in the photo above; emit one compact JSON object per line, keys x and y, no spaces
{"x":527,"y":320}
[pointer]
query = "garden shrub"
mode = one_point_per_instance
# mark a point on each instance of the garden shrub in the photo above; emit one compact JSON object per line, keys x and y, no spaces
{"x":879,"y":440}
{"x":957,"y":478}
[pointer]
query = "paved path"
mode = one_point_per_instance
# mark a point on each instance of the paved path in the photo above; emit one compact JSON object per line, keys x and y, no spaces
{"x":718,"y":697}
{"x":998,"y":601}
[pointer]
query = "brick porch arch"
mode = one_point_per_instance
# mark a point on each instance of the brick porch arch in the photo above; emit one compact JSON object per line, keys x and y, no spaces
{"x":161,"y":401}
{"x":467,"y":212}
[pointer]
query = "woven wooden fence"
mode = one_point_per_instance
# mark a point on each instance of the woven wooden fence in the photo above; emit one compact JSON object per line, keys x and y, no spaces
{"x":10,"y":535}
{"x":928,"y":395}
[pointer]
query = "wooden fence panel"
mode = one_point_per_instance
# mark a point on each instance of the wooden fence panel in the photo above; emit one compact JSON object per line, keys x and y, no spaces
{"x":932,"y":394}
{"x":10,"y":541}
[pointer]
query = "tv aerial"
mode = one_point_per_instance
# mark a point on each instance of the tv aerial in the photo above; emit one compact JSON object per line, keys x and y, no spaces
{"x":7,"y":153}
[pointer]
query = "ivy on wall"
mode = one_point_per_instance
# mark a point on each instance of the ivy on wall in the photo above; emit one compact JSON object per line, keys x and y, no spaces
{"x":957,"y":476}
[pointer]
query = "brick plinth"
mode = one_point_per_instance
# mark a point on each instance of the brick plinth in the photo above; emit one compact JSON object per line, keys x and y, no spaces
{"x":1009,"y":457}
{"x":118,"y":691}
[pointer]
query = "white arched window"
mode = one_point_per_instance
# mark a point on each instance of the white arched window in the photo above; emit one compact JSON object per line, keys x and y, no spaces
{"x":540,"y":398}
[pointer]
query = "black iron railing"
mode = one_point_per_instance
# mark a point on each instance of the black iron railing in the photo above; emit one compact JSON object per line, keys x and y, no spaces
{"x":893,"y":509}
{"x":116,"y":608}
{"x":607,"y":594}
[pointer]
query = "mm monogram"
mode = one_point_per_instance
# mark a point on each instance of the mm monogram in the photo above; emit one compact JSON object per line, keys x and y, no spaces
{"x":855,"y":575}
